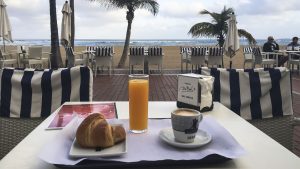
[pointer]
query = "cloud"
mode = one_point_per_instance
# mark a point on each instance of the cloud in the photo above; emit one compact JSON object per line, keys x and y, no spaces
{"x":30,"y":18}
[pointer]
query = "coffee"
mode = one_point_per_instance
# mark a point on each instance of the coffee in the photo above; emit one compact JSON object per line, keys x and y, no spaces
{"x":185,"y":113}
{"x":185,"y":124}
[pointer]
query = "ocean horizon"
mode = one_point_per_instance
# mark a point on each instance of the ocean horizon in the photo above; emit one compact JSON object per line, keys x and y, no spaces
{"x":140,"y":42}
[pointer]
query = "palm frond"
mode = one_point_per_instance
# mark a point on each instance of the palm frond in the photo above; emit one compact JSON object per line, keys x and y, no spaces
{"x":150,"y":5}
{"x":205,"y":12}
{"x":203,"y":29}
{"x":247,"y":35}
{"x":113,"y":4}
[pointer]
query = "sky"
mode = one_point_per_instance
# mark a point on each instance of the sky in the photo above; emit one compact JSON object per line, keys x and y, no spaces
{"x":30,"y":19}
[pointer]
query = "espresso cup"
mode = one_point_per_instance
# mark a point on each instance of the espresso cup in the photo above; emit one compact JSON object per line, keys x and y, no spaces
{"x":185,"y":124}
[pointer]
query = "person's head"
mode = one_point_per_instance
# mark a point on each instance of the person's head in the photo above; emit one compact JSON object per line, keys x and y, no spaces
{"x":295,"y":39}
{"x":270,"y":39}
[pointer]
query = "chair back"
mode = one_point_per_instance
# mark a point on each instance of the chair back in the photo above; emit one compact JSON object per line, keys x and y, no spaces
{"x":155,"y":51}
{"x":91,"y":49}
{"x":103,"y":56}
{"x":215,"y":56}
{"x":262,"y":96}
{"x":137,"y":51}
{"x":29,"y":96}
{"x":70,"y":56}
{"x":185,"y":52}
{"x":257,"y":55}
{"x":69,"y":51}
{"x":2,"y":57}
{"x":32,"y":93}
{"x":184,"y":49}
{"x":247,"y":50}
{"x":35,"y":52}
{"x":19,"y":49}
{"x":198,"y":51}
{"x":155,"y":55}
{"x":198,"y":55}
{"x":104,"y":51}
{"x":24,"y":49}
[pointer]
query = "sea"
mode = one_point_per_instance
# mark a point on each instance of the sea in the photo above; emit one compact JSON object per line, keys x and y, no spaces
{"x":140,"y":42}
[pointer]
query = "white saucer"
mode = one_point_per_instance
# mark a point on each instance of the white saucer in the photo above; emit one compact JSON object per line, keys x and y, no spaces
{"x":202,"y":138}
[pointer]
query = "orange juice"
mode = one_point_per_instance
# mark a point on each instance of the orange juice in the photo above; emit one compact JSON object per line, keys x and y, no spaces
{"x":138,"y":104}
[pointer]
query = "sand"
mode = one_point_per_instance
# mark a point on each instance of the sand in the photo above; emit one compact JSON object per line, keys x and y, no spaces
{"x":171,"y":59}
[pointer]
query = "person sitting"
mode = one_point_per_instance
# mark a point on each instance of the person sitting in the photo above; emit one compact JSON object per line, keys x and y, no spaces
{"x":270,"y":45}
{"x":293,"y":45}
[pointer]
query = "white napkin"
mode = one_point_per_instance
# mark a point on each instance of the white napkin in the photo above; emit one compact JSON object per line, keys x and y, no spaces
{"x":148,"y":146}
{"x":206,"y":83}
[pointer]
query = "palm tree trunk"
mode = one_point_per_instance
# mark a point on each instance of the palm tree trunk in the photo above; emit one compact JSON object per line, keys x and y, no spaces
{"x":56,"y":60}
{"x":221,"y":40}
{"x":122,"y":61}
{"x":72,"y":23}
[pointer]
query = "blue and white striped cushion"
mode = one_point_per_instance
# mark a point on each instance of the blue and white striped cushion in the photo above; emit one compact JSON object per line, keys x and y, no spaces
{"x":137,"y":51}
{"x":198,"y":51}
{"x":253,"y":93}
{"x":69,"y":51}
{"x":37,"y":93}
{"x":256,"y":51}
{"x":155,"y":51}
{"x":185,"y":49}
{"x":247,"y":50}
{"x":104,"y":51}
{"x":215,"y":51}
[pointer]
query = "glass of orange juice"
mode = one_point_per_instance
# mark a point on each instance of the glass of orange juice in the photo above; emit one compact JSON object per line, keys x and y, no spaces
{"x":138,"y":93}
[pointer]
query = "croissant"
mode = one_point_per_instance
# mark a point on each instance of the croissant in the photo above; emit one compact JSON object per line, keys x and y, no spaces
{"x":94,"y":131}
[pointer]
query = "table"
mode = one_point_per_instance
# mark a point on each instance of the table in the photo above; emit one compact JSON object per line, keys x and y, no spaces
{"x":262,"y":151}
{"x":288,"y":55}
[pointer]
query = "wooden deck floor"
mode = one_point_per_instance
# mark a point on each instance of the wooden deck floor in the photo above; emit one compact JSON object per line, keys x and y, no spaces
{"x":164,"y":88}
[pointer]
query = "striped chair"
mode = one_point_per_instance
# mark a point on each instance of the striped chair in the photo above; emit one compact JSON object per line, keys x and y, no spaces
{"x":75,"y":58}
{"x":261,"y":96}
{"x":89,"y":51}
{"x":215,"y":56}
{"x":103,"y":57}
{"x":265,"y":59}
{"x":28,"y":96}
{"x":155,"y":57}
{"x":5,"y":59}
{"x":33,"y":57}
{"x":198,"y":56}
{"x":248,"y":56}
{"x":136,"y":57}
{"x":185,"y":57}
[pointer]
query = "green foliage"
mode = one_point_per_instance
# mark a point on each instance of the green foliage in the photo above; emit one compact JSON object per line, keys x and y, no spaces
{"x":218,"y":27}
{"x":150,"y":5}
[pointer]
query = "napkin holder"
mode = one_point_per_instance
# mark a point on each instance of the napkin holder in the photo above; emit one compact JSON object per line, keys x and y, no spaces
{"x":195,"y":92}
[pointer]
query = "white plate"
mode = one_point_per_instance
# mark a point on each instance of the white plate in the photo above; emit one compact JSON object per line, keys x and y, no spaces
{"x":117,"y":150}
{"x":202,"y":138}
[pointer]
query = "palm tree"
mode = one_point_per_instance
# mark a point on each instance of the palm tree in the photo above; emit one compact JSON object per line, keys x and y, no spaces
{"x":130,"y":5}
{"x":218,"y":27}
{"x":72,"y":23}
{"x":56,"y":60}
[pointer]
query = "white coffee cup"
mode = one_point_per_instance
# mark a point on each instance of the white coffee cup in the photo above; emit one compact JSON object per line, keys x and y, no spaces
{"x":185,"y":124}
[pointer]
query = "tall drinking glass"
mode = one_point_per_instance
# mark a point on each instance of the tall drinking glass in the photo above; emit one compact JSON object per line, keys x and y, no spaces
{"x":138,"y":86}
